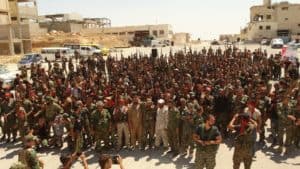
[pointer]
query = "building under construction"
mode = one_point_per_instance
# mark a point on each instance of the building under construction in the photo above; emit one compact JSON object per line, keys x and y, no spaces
{"x":18,"y":18}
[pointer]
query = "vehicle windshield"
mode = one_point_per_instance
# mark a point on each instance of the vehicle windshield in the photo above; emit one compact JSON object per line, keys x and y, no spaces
{"x":27,"y":57}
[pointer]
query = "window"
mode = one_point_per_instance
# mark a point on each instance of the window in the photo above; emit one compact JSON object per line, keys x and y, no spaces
{"x":161,"y":32}
{"x":298,"y":33}
{"x":298,"y":24}
{"x":122,"y":33}
{"x":285,"y":8}
{"x":154,"y":33}
{"x":269,"y":16}
{"x":268,"y":27}
{"x":130,"y":33}
{"x":261,"y":28}
{"x":286,"y":19}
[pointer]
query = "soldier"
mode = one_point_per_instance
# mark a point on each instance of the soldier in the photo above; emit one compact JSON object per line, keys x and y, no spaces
{"x":121,"y":118}
{"x":101,"y":125}
{"x":51,"y":110}
{"x":161,"y":125}
{"x":243,"y":142}
{"x":173,"y":128}
{"x":21,"y":120}
{"x":198,"y":118}
{"x":286,"y":123}
{"x":135,"y":122}
{"x":187,"y":118}
{"x":28,"y":155}
{"x":148,"y":121}
{"x":207,"y":138}
{"x":10,"y":119}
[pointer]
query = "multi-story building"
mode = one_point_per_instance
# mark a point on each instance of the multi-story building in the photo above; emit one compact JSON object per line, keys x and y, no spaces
{"x":160,"y":31}
{"x":15,"y":30}
{"x":272,"y":20}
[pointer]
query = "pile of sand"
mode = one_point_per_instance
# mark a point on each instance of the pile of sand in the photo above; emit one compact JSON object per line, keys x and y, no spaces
{"x":58,"y":38}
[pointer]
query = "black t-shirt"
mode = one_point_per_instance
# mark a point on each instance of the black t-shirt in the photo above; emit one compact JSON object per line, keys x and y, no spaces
{"x":207,"y":135}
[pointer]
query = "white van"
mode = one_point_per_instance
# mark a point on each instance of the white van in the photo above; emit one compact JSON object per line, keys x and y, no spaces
{"x":85,"y":50}
{"x":56,"y":54}
{"x":277,"y":43}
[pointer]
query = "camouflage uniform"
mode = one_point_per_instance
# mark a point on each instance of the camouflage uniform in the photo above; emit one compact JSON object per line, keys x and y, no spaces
{"x":206,"y":155}
{"x":173,"y":129}
{"x":101,"y":126}
{"x":243,"y":149}
{"x":148,"y":122}
{"x":28,"y":156}
{"x":262,"y":106}
{"x":285,"y":125}
{"x":186,"y":117}
{"x":10,"y":122}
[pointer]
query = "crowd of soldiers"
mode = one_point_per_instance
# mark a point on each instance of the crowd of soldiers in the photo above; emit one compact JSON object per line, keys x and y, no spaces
{"x":142,"y":102}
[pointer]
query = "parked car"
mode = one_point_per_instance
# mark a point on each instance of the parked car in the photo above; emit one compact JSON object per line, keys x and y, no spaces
{"x":29,"y":59}
{"x":215,"y":42}
{"x":277,"y":43}
{"x":87,"y":50}
{"x":56,"y":54}
{"x":7,"y":77}
{"x":265,"y":42}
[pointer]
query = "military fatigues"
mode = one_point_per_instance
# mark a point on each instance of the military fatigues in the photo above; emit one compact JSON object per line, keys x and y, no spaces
{"x":285,"y":125}
{"x":121,"y":119}
{"x":101,"y":126}
{"x":173,"y":129}
{"x":187,"y":131}
{"x":51,"y":111}
{"x":243,"y":146}
{"x":148,"y":122}
{"x":206,"y":155}
{"x":262,"y":106}
{"x":10,"y":122}
{"x":29,"y":158}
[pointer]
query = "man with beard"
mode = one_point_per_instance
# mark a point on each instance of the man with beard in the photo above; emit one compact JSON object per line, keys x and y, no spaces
{"x":135,"y":122}
{"x":243,"y":143}
{"x":148,"y":121}
{"x":207,"y":138}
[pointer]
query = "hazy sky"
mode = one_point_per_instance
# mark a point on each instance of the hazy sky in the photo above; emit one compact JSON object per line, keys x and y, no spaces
{"x":202,"y":18}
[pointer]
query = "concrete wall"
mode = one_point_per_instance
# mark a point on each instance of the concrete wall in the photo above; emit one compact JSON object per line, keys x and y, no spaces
{"x":4,"y":9}
{"x":35,"y":29}
{"x":181,"y":38}
{"x":62,"y":26}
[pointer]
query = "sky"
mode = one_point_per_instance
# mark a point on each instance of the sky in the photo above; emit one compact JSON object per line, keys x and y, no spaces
{"x":204,"y":19}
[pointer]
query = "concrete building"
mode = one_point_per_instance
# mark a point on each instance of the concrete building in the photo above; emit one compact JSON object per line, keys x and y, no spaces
{"x":96,"y":23}
{"x":18,"y":16}
{"x":161,"y":32}
{"x":271,"y":20}
{"x":181,"y":38}
{"x":72,"y":22}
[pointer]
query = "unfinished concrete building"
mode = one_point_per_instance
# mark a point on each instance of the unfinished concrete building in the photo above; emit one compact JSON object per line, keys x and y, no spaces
{"x":15,"y":30}
{"x":272,"y":20}
{"x":96,"y":23}
{"x":6,"y":38}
